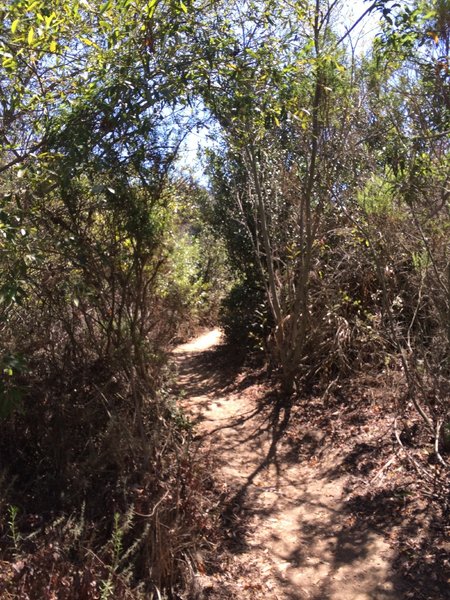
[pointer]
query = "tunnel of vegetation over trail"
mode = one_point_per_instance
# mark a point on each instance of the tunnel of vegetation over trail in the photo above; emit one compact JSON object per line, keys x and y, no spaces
{"x":322,"y":242}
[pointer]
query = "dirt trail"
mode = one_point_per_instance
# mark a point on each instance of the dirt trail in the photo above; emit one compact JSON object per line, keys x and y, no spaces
{"x":293,"y":537}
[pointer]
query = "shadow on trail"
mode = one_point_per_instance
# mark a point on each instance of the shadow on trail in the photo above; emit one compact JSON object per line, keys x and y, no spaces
{"x":210,"y":372}
{"x":419,"y":570}
{"x":240,"y":507}
{"x":344,"y":539}
{"x":210,"y":376}
{"x":348,"y":543}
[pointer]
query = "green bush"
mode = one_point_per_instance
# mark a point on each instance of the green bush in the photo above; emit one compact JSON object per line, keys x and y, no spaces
{"x":244,"y":315}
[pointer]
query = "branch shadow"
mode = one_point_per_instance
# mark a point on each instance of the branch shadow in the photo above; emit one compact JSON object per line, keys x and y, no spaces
{"x":419,"y":567}
{"x":275,"y":412}
{"x":211,"y":372}
{"x":210,"y":376}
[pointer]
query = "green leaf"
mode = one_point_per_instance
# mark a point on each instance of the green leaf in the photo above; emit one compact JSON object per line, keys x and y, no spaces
{"x":53,"y":46}
{"x":32,"y":6}
{"x":89,"y":43}
{"x":10,"y":401}
{"x":183,"y":6}
{"x":8,"y":63}
{"x":105,"y":7}
{"x":14,"y":25}
{"x":49,"y":19}
{"x":30,"y":36}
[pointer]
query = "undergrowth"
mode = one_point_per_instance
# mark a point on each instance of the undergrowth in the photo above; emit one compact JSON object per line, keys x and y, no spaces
{"x":95,"y":515}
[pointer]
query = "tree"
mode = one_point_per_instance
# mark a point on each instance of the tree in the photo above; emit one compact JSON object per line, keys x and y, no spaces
{"x":414,"y":157}
{"x":91,"y":126}
{"x":285,"y":109}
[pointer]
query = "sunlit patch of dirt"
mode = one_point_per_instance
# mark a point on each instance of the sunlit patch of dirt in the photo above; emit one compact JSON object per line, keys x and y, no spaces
{"x":316,"y":501}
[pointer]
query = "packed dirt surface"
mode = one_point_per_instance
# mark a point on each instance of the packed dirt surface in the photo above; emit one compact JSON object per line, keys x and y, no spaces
{"x":305,"y":519}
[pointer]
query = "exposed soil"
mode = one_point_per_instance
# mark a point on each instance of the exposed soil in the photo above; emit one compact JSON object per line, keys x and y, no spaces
{"x":318,"y":501}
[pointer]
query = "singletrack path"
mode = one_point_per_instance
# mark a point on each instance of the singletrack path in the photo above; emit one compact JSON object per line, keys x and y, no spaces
{"x":291,"y":535}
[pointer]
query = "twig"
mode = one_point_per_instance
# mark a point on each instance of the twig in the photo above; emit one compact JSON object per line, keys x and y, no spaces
{"x":436,"y":444}
{"x":356,"y":23}
{"x":329,"y":387}
{"x":104,"y":398}
{"x":415,"y":464}
{"x":163,"y":497}
{"x":434,"y":494}
{"x":385,"y":466}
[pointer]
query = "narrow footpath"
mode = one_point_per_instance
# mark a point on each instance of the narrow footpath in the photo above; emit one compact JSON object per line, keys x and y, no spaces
{"x":292,"y":536}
